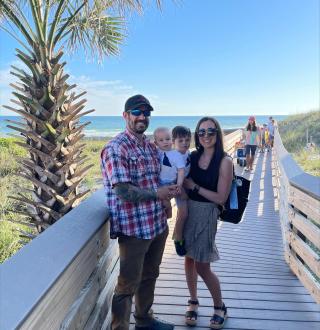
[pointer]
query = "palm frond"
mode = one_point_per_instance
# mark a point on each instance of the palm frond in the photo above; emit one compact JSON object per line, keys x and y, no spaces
{"x":125,"y":6}
{"x":100,"y":34}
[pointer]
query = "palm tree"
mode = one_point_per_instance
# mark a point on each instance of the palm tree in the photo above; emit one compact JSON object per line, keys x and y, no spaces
{"x":50,"y":107}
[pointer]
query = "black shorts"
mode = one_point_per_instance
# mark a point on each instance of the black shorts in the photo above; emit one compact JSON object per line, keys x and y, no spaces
{"x":250,"y":148}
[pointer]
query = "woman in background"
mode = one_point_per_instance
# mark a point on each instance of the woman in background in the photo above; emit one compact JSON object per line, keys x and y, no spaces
{"x":252,"y":141}
{"x":209,"y":185}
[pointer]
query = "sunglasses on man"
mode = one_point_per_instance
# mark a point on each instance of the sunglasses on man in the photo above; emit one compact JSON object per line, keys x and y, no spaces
{"x":209,"y":131}
{"x":138,"y":112}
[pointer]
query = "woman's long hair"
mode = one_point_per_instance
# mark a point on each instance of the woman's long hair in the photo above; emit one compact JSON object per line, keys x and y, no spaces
{"x":252,"y":127}
{"x":219,"y":147}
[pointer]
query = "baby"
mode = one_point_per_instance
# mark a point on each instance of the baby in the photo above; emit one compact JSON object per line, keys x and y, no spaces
{"x":175,"y":166}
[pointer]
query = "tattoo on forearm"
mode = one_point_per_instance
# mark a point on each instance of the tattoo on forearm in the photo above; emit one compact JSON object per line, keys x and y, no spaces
{"x":130,"y":193}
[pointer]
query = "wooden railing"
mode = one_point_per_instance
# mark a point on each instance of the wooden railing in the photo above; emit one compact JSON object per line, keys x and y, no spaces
{"x":64,"y":279}
{"x":299,"y":207}
{"x":230,"y":141}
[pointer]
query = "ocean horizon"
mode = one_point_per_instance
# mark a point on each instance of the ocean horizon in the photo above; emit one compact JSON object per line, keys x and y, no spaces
{"x":109,"y":126}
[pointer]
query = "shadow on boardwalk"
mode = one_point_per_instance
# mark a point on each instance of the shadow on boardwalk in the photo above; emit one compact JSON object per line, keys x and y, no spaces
{"x":258,"y":287}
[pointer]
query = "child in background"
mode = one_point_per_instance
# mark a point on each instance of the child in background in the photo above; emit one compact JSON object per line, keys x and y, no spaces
{"x":263,"y":136}
{"x":266,"y":137}
{"x":175,"y":166}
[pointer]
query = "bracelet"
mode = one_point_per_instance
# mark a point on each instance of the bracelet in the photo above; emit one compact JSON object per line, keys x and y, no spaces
{"x":196,"y":188}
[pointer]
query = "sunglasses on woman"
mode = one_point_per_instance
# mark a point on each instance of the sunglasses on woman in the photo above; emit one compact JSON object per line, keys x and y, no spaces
{"x":137,"y":112}
{"x":209,"y":131}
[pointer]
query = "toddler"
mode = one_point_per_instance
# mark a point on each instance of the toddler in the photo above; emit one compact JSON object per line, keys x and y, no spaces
{"x":175,"y":166}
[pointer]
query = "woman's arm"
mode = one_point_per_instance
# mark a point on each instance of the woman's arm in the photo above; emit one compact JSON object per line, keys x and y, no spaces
{"x":224,"y":183}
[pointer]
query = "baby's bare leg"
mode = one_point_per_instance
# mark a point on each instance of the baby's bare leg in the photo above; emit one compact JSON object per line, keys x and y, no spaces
{"x":168,"y":208}
{"x":181,"y":216}
{"x":180,"y":220}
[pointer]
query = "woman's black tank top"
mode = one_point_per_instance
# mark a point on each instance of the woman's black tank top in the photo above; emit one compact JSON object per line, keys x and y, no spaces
{"x":207,"y":179}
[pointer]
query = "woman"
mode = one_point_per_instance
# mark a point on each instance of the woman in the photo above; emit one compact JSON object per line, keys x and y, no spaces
{"x":252,"y":141}
{"x":209,"y":185}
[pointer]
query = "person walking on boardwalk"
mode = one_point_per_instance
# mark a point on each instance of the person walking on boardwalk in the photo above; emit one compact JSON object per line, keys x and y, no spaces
{"x":208,"y":187}
{"x":252,"y":141}
{"x":271,"y":126}
{"x":130,"y":169}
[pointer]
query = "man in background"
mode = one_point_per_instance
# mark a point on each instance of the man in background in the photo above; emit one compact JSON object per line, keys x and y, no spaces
{"x":271,"y":131}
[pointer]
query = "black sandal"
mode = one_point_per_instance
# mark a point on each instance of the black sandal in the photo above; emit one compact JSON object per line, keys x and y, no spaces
{"x":192,"y":316}
{"x":217,"y":321}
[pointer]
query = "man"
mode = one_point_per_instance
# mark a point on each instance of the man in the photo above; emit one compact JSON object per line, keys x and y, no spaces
{"x":130,"y":169}
{"x":271,"y":131}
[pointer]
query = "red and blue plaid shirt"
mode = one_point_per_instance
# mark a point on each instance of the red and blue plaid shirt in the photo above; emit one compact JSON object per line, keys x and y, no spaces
{"x":127,"y":159}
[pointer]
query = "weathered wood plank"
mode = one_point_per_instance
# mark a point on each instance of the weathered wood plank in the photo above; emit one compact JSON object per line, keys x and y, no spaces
{"x":305,"y":203}
{"x":241,"y":287}
{"x":234,"y":280}
{"x":225,"y":267}
{"x":81,"y":309}
{"x":249,"y":295}
{"x":305,"y":277}
{"x":47,"y":315}
{"x":234,"y":261}
{"x":310,"y":257}
{"x":306,"y":227}
{"x":101,"y":315}
{"x":235,"y":273}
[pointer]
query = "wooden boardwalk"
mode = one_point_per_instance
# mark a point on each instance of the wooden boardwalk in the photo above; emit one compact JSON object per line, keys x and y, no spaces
{"x":258,"y":287}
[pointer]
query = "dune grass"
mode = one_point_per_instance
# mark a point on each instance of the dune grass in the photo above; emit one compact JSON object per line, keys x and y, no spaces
{"x":293,"y":131}
{"x":92,"y":150}
{"x":10,"y":240}
{"x":309,"y":160}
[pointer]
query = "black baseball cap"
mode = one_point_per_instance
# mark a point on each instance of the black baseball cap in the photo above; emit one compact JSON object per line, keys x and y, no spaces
{"x":135,"y":101}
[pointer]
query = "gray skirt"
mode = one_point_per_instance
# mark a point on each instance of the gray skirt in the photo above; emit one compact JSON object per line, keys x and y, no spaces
{"x":200,"y":231}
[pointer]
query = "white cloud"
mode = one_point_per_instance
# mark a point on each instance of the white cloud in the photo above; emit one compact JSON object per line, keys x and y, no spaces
{"x":107,"y":97}
{"x":6,"y":78}
{"x":5,"y":90}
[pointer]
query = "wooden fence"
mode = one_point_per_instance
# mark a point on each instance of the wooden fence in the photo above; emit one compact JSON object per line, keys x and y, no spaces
{"x":230,"y":141}
{"x":299,"y":207}
{"x":63,"y":279}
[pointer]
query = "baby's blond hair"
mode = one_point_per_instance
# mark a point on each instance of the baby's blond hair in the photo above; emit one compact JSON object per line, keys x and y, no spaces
{"x":160,"y":129}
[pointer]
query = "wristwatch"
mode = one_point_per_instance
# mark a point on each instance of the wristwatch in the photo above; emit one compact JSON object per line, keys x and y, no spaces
{"x":196,"y":188}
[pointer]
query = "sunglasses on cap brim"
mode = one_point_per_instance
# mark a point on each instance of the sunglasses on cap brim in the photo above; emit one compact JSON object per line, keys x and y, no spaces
{"x":210,"y":132}
{"x":138,"y":112}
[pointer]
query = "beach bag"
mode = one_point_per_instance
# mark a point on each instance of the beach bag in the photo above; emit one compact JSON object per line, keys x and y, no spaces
{"x":236,"y":203}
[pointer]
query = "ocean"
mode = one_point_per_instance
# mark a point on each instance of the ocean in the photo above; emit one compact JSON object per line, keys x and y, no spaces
{"x":108,"y":126}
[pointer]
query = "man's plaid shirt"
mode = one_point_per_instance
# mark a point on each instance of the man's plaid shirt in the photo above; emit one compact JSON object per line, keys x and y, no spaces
{"x":126,"y":159}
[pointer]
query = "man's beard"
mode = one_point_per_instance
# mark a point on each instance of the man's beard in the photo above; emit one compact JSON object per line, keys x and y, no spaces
{"x":138,"y":128}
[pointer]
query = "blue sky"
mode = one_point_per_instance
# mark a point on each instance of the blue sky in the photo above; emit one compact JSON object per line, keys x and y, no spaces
{"x":197,"y":57}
